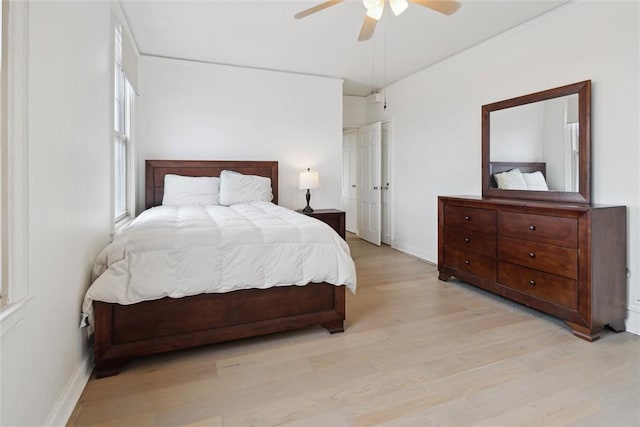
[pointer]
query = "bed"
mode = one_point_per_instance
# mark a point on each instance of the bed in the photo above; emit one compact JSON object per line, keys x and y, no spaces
{"x":124,"y":331}
{"x":537,"y":171}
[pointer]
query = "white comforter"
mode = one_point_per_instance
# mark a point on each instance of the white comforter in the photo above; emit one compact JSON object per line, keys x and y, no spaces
{"x":189,"y":250}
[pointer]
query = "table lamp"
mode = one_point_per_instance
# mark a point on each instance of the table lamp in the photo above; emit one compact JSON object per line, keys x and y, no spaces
{"x":308,"y":180}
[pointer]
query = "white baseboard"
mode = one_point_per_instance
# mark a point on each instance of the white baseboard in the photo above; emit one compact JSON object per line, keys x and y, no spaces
{"x":415,"y":254}
{"x":632,"y":324}
{"x":62,"y":410}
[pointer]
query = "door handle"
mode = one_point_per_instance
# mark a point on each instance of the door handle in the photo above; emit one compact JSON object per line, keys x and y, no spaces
{"x":375,"y":188}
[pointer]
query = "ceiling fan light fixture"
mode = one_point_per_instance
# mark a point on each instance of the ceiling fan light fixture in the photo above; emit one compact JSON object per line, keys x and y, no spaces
{"x":374,"y":8}
{"x":398,"y":6}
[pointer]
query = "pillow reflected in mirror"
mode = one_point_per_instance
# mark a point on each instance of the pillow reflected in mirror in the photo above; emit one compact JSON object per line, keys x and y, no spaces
{"x":510,"y":180}
{"x":535,"y":181}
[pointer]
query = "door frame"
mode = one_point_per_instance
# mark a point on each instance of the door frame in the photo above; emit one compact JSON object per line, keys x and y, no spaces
{"x":389,"y":124}
{"x":346,"y":177}
{"x":390,"y":180}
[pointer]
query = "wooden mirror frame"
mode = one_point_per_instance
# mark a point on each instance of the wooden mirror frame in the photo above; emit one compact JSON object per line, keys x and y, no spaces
{"x":583,"y":89}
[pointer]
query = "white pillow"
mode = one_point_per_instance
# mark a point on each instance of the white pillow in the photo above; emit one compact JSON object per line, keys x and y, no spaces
{"x":190,"y":190}
{"x":535,"y":181}
{"x":510,"y":180}
{"x":239,"y":188}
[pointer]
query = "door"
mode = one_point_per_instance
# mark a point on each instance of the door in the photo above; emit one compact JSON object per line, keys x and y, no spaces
{"x":350,"y":179}
{"x":369,"y":180}
{"x":386,"y":192}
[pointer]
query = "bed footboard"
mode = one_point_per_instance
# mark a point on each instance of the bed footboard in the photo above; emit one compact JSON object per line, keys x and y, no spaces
{"x":126,"y":331}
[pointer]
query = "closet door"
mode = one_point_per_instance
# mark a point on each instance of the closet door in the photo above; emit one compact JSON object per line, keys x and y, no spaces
{"x":369,"y":182}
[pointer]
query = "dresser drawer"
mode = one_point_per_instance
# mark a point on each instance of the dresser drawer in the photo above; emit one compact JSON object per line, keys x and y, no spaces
{"x":539,"y":228}
{"x":470,"y":240}
{"x":553,"y":259}
{"x":470,"y":262}
{"x":545,"y":286}
{"x":470,"y":218}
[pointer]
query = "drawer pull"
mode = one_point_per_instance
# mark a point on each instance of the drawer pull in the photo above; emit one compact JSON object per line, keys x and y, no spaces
{"x":467,"y":218}
{"x":466,"y":261}
{"x":467,"y":240}
{"x":532,"y":255}
{"x":532,"y":227}
{"x":532,"y":282}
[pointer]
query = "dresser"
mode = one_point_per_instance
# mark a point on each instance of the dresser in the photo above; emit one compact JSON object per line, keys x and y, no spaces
{"x":566,"y":260}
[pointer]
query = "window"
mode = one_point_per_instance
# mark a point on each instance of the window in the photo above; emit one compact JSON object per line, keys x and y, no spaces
{"x":3,"y":158}
{"x":572,"y":160}
{"x":122,"y":149}
{"x":14,"y":165}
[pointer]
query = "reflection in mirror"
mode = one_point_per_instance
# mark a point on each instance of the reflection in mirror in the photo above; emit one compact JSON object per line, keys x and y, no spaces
{"x":543,"y":132}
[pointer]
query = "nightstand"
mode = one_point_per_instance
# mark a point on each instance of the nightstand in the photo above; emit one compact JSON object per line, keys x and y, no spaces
{"x":333,"y":217}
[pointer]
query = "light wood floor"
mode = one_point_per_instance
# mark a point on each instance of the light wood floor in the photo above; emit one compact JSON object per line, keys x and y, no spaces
{"x":416,"y":352}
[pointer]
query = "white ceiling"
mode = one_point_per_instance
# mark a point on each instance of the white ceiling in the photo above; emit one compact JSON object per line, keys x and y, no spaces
{"x":264,"y":34}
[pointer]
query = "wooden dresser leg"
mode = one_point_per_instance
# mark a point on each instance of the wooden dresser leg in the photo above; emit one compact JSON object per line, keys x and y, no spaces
{"x":584,"y":332}
{"x":110,"y":368}
{"x":443,"y":276}
{"x":334,"y":327}
{"x":617,"y":326}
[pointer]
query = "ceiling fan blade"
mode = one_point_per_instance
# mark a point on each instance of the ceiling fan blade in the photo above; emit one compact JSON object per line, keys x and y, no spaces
{"x":316,"y":8}
{"x":447,"y":7}
{"x":368,"y":27}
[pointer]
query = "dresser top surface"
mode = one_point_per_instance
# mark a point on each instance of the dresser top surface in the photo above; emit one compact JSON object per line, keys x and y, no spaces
{"x":322,"y":211}
{"x":529,"y":203}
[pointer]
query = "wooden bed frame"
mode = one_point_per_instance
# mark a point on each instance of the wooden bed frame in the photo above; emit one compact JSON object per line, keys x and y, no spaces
{"x":525,"y":167}
{"x":126,"y":331}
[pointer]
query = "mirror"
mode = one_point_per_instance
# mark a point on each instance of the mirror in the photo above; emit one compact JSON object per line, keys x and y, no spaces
{"x":538,"y":146}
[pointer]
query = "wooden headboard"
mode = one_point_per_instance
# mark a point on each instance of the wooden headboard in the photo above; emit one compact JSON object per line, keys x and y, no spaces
{"x":525,"y":167}
{"x":155,"y":170}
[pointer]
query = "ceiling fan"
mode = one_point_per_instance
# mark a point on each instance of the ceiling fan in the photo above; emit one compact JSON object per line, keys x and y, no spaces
{"x":375,"y":8}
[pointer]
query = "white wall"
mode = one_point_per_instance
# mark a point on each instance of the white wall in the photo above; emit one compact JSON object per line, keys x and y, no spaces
{"x":354,"y":111}
{"x":556,"y":143}
{"x":437,"y":121}
{"x":44,"y":355}
{"x":189,"y":110}
{"x":517,"y":134}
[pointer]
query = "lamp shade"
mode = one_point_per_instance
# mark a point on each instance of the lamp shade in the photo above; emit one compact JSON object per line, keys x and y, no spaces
{"x":308,"y":180}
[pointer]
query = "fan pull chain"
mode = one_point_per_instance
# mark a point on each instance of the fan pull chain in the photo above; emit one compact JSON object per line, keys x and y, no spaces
{"x":386,"y":24}
{"x":373,"y":66}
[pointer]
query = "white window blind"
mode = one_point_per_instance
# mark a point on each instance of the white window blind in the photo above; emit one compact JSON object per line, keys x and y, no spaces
{"x":123,"y":95}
